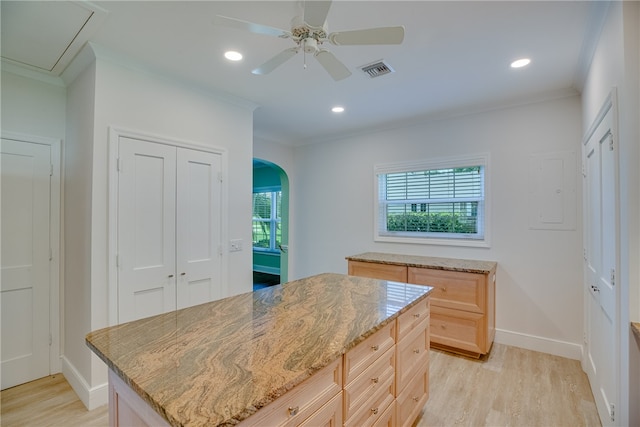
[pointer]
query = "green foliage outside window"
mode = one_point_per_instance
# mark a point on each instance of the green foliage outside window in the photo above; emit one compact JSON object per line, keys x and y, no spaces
{"x":267,"y":233}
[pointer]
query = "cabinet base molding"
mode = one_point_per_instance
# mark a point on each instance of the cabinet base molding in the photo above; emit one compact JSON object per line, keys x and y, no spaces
{"x":466,"y":353}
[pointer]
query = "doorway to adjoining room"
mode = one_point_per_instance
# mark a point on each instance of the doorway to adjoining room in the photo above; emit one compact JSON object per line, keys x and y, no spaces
{"x":270,"y":224}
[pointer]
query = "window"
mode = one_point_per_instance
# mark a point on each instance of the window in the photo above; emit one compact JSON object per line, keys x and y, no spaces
{"x":435,"y":202}
{"x":267,"y":232}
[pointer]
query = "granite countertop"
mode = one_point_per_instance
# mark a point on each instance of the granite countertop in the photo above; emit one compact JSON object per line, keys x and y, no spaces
{"x":218,"y":363}
{"x":453,"y":264}
{"x":635,"y":327}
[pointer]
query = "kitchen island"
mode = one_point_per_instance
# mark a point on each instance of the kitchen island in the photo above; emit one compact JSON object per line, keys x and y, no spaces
{"x":350,"y":349}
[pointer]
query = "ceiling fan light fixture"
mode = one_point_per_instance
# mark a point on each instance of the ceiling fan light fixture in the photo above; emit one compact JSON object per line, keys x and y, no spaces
{"x":232,"y":55}
{"x":519,"y":63}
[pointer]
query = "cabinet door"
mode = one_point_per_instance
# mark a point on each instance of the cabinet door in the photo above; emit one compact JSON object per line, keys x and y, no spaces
{"x":198,"y":227}
{"x":146,"y":229}
{"x":373,"y":270}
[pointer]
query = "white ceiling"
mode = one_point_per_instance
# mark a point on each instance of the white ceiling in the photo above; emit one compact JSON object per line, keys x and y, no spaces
{"x":455,"y":56}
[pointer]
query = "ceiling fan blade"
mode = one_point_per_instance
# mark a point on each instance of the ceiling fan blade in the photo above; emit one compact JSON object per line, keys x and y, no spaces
{"x":276,"y":61}
{"x":315,"y":12}
{"x":382,"y":35}
{"x":334,"y":67}
{"x":239,"y":24}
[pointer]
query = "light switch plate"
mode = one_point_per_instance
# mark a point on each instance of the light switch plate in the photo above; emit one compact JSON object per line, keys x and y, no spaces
{"x":235,"y":245}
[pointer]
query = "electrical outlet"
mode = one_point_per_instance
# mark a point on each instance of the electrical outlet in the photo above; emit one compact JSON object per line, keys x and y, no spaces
{"x":235,"y":245}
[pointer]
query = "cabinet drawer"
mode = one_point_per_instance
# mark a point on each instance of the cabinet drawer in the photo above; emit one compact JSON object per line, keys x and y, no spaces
{"x":452,"y":289}
{"x":368,"y":415}
{"x":409,"y":320}
{"x":302,"y":401}
{"x":458,"y":329}
{"x":373,"y":270}
{"x":362,"y":355}
{"x":388,"y":417}
{"x":329,"y":415}
{"x":378,"y":378}
{"x":413,"y":355}
{"x":412,"y":399}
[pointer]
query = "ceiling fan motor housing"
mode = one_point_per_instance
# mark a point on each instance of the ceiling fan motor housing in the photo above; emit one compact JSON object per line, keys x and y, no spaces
{"x":310,"y":45}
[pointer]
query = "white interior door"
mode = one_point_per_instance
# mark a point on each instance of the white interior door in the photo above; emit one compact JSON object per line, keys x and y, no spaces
{"x":198,"y":225}
{"x":146,"y":229}
{"x":25,"y":279}
{"x":601,"y":255}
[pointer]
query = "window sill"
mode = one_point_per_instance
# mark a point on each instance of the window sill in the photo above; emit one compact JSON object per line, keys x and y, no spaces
{"x":434,"y":241}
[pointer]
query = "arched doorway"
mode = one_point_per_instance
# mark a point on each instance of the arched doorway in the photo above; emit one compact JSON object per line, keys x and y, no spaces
{"x":270,"y":224}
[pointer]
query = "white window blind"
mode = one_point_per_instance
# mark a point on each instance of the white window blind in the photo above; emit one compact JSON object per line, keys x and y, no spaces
{"x":267,"y":233}
{"x":434,"y":200}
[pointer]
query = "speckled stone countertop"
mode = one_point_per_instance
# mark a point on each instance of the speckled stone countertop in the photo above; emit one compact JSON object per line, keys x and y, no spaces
{"x":453,"y":264}
{"x":636,"y":329}
{"x":218,"y":363}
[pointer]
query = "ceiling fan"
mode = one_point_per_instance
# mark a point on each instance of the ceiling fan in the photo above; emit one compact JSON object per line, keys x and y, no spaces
{"x":309,"y":32}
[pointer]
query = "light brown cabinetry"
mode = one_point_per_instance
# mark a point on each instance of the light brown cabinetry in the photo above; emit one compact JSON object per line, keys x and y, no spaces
{"x":382,"y":381}
{"x":313,"y":398}
{"x":412,"y":366}
{"x":462,"y":302}
{"x":378,"y":271}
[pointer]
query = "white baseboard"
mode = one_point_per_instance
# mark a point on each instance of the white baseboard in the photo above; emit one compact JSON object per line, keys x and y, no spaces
{"x":535,"y":343}
{"x":92,"y":397}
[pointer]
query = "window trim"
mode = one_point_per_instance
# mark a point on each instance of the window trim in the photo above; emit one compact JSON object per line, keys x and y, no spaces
{"x":272,"y":221}
{"x":481,"y":159}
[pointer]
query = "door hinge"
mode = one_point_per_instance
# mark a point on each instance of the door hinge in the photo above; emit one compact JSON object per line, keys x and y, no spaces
{"x":613,"y":277}
{"x":220,"y":250}
{"x":117,"y":260}
{"x":118,"y":165}
{"x":612,"y":412}
{"x":51,"y":169}
{"x":610,"y":142}
{"x":584,"y":253}
{"x":50,"y":254}
{"x":50,"y":340}
{"x":220,"y":176}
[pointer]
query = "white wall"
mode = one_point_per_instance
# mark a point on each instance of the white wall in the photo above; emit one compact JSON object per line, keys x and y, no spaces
{"x":33,"y":107}
{"x":616,"y":63}
{"x":539,"y":272}
{"x":107,"y":94}
{"x":77,"y":219}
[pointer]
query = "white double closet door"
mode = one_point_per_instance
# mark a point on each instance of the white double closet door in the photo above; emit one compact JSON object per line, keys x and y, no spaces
{"x":169,"y":228}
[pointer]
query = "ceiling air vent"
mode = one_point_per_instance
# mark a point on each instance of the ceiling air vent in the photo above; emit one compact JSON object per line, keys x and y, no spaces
{"x":377,"y":69}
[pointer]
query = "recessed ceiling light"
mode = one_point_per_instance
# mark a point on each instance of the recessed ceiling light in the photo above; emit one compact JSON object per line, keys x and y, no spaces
{"x":519,"y":63}
{"x":337,"y":109}
{"x":232,"y":55}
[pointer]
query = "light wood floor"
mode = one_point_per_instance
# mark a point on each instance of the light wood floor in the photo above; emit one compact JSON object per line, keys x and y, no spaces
{"x":48,"y":402}
{"x":511,"y":387}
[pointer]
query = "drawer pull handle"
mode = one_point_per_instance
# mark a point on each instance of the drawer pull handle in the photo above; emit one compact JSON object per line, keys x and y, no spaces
{"x":444,"y":289}
{"x":374,"y":411}
{"x":375,"y":380}
{"x":170,"y":276}
{"x":416,"y":351}
{"x":375,"y":347}
{"x":415,"y":399}
{"x":294,"y":411}
{"x":443,"y":326}
{"x":416,"y":315}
